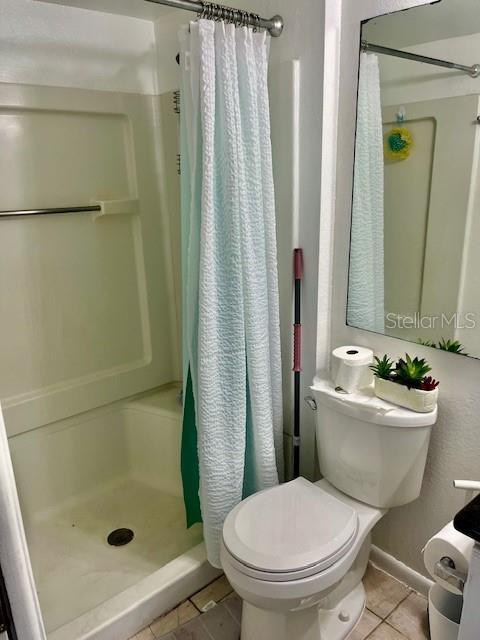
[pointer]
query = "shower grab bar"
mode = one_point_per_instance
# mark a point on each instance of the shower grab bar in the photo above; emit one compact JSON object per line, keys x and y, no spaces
{"x":100,"y":208}
{"x":44,"y":212}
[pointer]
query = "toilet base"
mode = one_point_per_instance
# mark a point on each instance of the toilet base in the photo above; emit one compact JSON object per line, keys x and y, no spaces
{"x":313,"y":623}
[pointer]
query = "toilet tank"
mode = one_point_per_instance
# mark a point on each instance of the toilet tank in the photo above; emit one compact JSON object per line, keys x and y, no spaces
{"x":370,"y":449}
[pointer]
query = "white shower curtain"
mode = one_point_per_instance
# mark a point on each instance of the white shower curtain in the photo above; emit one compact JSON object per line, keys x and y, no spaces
{"x":233,"y":392}
{"x":366,"y":307}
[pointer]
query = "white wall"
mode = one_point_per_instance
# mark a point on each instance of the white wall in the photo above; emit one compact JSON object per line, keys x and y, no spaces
{"x":46,"y":44}
{"x":456,"y":437}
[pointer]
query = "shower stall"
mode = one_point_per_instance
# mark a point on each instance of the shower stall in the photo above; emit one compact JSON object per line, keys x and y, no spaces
{"x":90,"y":366}
{"x":90,"y":356}
{"x":90,"y":305}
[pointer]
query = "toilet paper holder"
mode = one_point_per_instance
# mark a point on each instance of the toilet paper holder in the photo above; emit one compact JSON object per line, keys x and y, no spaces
{"x":469,"y":486}
{"x":445,"y":570}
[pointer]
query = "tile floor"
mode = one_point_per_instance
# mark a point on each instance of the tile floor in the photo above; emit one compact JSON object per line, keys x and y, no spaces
{"x":394,"y":612}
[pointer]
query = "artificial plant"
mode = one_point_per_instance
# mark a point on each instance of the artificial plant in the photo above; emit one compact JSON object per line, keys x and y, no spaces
{"x":409,"y":372}
{"x":445,"y":344}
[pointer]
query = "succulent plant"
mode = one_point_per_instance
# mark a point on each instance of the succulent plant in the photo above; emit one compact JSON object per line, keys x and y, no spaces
{"x":427,"y":343}
{"x":411,"y":372}
{"x":428,"y":384}
{"x":383,"y":368}
{"x":454,"y":346}
{"x":445,"y":344}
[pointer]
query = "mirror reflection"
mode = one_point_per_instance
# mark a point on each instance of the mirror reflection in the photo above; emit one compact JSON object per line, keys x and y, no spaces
{"x":414,"y":257}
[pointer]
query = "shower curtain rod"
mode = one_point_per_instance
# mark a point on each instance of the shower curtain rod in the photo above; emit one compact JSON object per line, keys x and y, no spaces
{"x":473,"y":71}
{"x":238,"y":17}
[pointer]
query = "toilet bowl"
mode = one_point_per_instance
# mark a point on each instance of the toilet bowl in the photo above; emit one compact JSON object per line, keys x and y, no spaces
{"x":296,"y":553}
{"x":308,"y":549}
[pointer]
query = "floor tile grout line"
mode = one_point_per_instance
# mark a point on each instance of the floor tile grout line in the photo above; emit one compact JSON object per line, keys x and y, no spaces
{"x":196,"y":608}
{"x":199,"y":618}
{"x":374,"y":629}
{"x":383,"y":619}
{"x":200,"y":621}
{"x":412,"y":592}
{"x":205,"y":629}
{"x":398,"y":605}
{"x":230,"y":614}
{"x":190,"y":600}
{"x":376,"y":615}
{"x":388,"y":625}
{"x":400,"y":632}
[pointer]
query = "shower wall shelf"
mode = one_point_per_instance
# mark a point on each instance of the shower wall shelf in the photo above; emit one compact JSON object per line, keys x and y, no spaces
{"x":100,"y":209}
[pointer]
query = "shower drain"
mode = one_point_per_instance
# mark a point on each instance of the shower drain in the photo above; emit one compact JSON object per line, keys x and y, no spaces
{"x":120,"y":537}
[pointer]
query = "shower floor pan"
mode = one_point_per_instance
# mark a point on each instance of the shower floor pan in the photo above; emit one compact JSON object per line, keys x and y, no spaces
{"x":89,"y":589}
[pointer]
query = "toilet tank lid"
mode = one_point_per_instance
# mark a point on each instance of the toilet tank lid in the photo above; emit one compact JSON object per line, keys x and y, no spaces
{"x":364,"y":405}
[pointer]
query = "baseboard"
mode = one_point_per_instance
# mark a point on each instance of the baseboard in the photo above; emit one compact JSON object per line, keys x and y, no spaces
{"x":399,"y":570}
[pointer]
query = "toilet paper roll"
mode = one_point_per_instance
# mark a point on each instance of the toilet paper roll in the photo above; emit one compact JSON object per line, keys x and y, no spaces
{"x":351,"y":368}
{"x":452,"y":544}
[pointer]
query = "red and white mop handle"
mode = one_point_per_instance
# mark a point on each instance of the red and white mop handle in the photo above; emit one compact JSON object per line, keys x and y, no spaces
{"x":297,"y":358}
{"x":297,"y":327}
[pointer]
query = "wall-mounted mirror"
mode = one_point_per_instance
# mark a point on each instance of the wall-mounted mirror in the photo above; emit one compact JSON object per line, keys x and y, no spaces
{"x":415,"y":239}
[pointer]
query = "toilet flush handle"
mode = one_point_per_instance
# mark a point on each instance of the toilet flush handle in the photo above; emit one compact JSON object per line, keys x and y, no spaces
{"x":311,"y":402}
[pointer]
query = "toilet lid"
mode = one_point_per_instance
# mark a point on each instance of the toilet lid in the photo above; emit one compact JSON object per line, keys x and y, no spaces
{"x":290,"y":528}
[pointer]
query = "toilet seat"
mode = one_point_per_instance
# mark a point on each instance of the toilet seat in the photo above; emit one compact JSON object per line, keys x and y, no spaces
{"x":288,"y":532}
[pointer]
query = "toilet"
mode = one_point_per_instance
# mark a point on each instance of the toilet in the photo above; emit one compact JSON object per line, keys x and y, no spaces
{"x":296,"y":553}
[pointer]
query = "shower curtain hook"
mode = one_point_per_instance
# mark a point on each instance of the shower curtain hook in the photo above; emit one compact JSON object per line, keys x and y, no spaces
{"x":206,"y":13}
{"x":237,"y":17}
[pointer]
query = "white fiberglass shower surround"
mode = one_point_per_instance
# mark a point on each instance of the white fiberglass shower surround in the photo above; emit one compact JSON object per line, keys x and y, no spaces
{"x":90,"y":374}
{"x":90,"y":356}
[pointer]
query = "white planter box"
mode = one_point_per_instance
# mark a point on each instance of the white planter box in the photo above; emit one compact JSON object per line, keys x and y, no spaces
{"x":414,"y":399}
